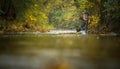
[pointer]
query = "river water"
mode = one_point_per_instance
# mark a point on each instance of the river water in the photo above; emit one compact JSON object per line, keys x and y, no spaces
{"x":59,"y":51}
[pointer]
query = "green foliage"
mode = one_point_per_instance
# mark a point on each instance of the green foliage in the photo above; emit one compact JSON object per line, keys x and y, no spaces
{"x":114,"y":7}
{"x":64,"y":15}
{"x":105,"y":15}
{"x":31,"y":13}
{"x":37,"y":15}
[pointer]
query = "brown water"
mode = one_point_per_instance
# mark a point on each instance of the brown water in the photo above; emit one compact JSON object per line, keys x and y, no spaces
{"x":59,"y":51}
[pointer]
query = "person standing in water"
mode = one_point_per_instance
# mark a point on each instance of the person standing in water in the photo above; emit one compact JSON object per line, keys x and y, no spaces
{"x":84,"y":17}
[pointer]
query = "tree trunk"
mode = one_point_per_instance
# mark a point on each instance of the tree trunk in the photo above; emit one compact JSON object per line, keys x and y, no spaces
{"x":7,"y":10}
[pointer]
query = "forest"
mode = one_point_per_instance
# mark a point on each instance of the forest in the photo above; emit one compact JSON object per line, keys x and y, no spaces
{"x":44,"y":15}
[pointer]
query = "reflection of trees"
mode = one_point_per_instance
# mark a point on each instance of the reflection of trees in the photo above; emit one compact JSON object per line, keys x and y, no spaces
{"x":92,"y":48}
{"x":8,"y":44}
{"x":101,"y":48}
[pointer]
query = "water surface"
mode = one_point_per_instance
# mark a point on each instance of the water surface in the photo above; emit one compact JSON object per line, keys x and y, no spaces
{"x":59,"y":51}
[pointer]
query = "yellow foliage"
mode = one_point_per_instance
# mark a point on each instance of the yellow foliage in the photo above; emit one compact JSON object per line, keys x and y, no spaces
{"x":32,"y":18}
{"x":73,"y":8}
{"x":68,"y":17}
{"x":44,"y":16}
{"x":95,"y":20}
{"x":35,"y":5}
{"x":14,"y":27}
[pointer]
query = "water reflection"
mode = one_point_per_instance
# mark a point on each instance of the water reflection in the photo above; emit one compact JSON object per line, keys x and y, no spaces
{"x":70,"y":51}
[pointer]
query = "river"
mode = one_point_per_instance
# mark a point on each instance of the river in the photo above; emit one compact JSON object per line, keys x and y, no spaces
{"x":59,"y":51}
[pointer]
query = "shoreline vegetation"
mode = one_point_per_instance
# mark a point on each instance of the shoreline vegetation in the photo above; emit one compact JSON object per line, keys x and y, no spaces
{"x":12,"y":26}
{"x":44,"y":15}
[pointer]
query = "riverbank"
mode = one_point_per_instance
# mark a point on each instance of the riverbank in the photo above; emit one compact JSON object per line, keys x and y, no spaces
{"x":56,"y":32}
